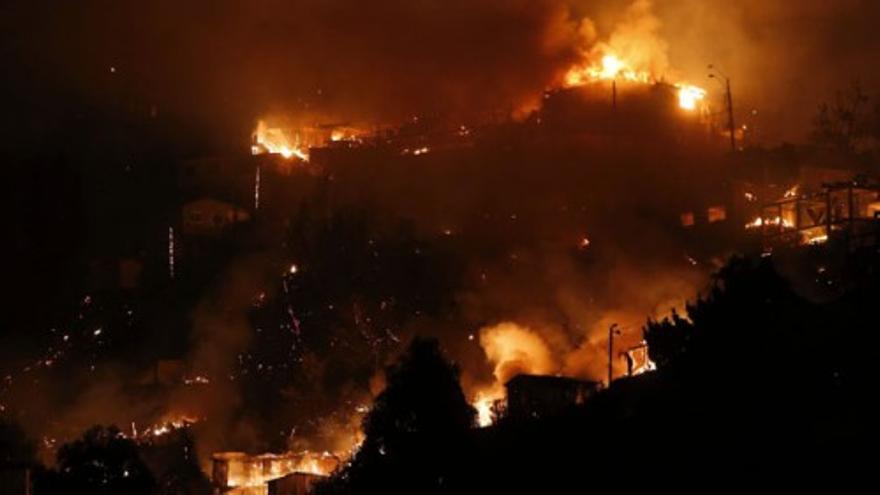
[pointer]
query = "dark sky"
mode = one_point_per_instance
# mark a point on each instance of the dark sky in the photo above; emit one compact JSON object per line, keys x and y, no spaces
{"x":213,"y":67}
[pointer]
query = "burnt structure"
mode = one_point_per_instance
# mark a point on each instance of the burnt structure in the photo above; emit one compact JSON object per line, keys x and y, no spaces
{"x":846,"y":211}
{"x":538,"y":396}
{"x":236,"y":473}
{"x":295,"y":484}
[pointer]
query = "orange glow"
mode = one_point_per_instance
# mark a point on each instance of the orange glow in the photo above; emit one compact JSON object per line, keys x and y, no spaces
{"x":770,"y":221}
{"x":169,"y":424}
{"x":274,"y":140}
{"x":346,"y":134}
{"x":611,"y":67}
{"x":817,"y":239}
{"x":239,"y":470}
{"x":512,"y":349}
{"x":483,"y":402}
{"x":689,"y":96}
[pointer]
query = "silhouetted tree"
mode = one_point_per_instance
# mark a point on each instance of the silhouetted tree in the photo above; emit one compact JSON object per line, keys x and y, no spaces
{"x":748,"y":318}
{"x":418,"y":432}
{"x":847,"y":122}
{"x":175,"y":465}
{"x":103,"y":461}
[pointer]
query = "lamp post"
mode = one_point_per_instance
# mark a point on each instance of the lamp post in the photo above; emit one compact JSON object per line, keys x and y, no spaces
{"x":612,"y":331}
{"x":726,"y":83}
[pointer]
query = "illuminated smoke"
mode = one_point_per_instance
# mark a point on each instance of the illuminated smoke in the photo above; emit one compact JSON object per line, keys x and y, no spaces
{"x":513,"y":349}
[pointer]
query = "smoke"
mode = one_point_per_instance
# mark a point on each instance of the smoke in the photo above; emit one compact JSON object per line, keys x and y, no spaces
{"x":546,"y":346}
{"x":637,"y":39}
{"x":514,"y":350}
{"x":218,"y":66}
{"x":220,"y":334}
{"x":783,"y":57}
{"x":539,"y":300}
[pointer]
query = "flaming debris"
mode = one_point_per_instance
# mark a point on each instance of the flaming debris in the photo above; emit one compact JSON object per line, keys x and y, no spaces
{"x":610,"y":68}
{"x":275,"y":140}
{"x":614,"y":69}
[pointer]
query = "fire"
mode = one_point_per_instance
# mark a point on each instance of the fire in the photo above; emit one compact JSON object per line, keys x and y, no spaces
{"x":818,"y":239}
{"x":770,"y":221}
{"x":689,"y":96}
{"x":640,"y":359}
{"x":235,"y":470}
{"x":512,"y":349}
{"x":275,"y":141}
{"x":162,"y":428}
{"x":346,"y":134}
{"x":484,"y":402}
{"x":611,"y":67}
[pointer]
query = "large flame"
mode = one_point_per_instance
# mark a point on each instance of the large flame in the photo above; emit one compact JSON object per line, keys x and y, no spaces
{"x":274,"y":140}
{"x":689,"y":96}
{"x":612,"y":67}
{"x":238,"y":470}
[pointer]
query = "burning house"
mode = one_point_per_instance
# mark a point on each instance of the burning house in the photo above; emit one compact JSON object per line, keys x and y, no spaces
{"x":236,"y":473}
{"x":848,"y":211}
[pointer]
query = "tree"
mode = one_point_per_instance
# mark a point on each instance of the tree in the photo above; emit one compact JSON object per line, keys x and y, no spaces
{"x":418,"y":432}
{"x":172,"y":459}
{"x":848,"y":122}
{"x":103,"y":461}
{"x":750,"y":311}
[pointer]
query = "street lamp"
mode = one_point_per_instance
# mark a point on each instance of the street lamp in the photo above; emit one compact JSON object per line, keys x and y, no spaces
{"x":612,"y":331}
{"x":718,"y":75}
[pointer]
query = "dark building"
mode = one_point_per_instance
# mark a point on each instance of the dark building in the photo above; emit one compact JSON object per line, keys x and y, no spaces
{"x":536,"y":396}
{"x":295,"y":484}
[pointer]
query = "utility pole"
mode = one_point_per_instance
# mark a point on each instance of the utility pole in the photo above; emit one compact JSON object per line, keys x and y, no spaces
{"x":730,"y":123}
{"x":612,"y":331}
{"x":614,"y":93}
{"x":731,"y":126}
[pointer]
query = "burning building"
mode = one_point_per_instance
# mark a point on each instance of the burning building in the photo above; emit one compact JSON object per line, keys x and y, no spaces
{"x":846,"y":210}
{"x":236,"y":473}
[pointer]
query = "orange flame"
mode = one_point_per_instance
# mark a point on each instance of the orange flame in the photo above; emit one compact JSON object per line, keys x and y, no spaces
{"x":275,"y":141}
{"x":613,"y":68}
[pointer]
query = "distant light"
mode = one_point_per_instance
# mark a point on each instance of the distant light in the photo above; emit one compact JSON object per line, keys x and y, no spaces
{"x":293,"y":269}
{"x":112,"y":69}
